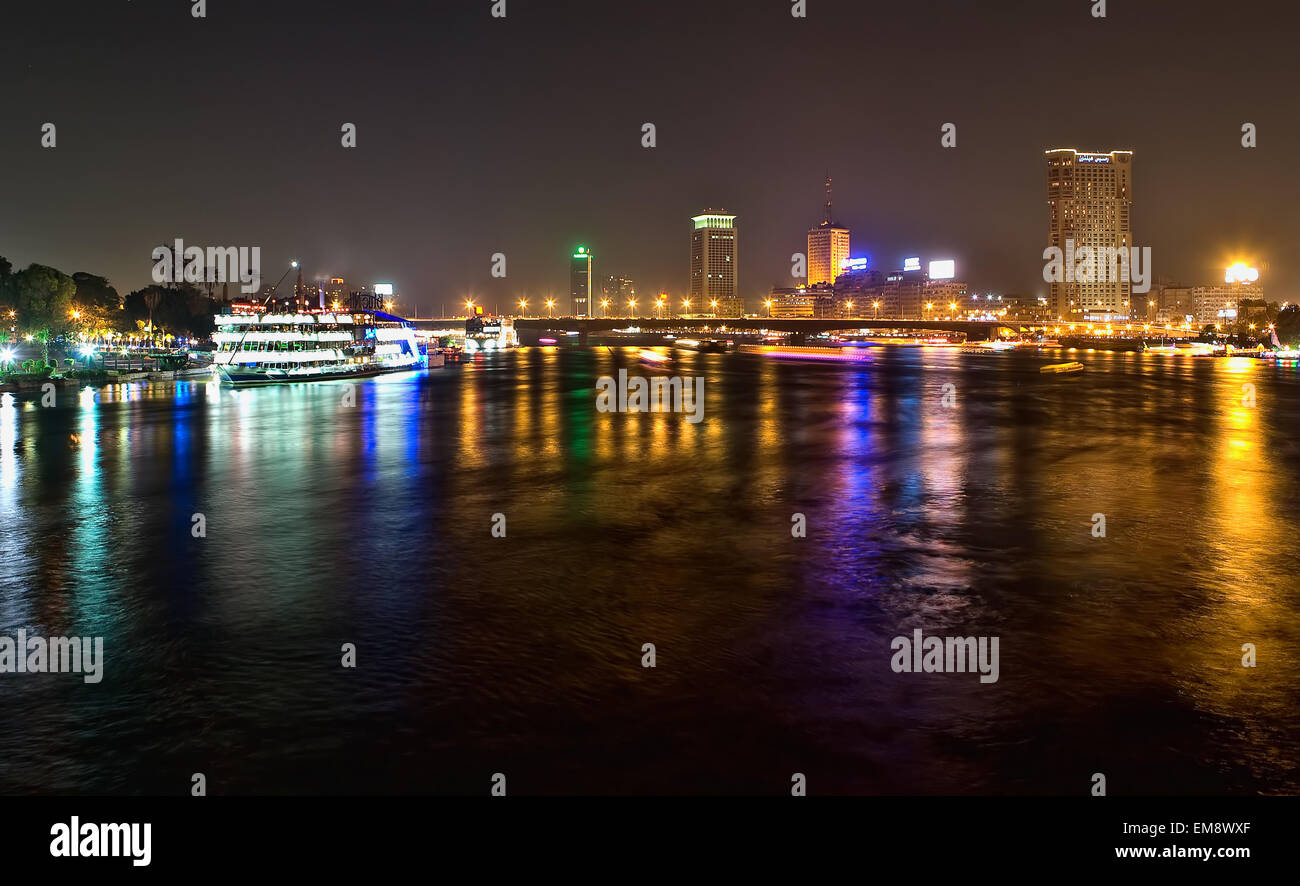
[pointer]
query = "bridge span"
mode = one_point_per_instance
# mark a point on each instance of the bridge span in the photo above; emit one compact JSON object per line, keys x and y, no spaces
{"x":798,"y":329}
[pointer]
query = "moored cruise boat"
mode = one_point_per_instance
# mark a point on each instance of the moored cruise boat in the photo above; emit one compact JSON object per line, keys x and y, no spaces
{"x":258,"y":348}
{"x":484,"y":332}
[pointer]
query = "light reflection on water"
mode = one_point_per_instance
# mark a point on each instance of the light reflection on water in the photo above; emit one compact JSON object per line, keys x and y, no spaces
{"x":370,"y":524}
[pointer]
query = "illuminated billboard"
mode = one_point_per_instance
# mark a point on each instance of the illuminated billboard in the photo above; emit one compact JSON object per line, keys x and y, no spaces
{"x":943,"y":270}
{"x":854,"y":264}
{"x":383,"y":289}
{"x":912,"y":264}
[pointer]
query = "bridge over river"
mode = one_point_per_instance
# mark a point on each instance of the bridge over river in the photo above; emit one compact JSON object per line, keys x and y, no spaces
{"x":798,"y":329}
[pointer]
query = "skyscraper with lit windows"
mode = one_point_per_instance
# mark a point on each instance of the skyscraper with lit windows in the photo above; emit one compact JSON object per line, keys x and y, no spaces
{"x":713,"y":284}
{"x":828,"y":247}
{"x":580,"y":281}
{"x":1089,"y":198}
{"x":617,"y":291}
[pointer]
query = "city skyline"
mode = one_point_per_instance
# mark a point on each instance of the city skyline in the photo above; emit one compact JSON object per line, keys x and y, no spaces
{"x":409,"y":183}
{"x":827,"y":245}
{"x":390,"y":409}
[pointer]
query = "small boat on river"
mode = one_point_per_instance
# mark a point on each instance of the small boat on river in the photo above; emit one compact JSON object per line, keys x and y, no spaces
{"x":1072,"y":366}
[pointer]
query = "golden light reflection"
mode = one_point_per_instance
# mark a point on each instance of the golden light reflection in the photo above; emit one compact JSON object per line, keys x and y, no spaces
{"x":1247,"y":576}
{"x":944,"y":469}
{"x":524,"y":450}
{"x":551,"y":407}
{"x":469,"y":447}
{"x":768,"y":436}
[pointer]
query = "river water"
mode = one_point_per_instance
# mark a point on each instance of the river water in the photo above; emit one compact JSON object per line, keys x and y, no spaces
{"x":371,"y":524}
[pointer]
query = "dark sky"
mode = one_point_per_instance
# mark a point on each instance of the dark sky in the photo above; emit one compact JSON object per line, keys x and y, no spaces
{"x":522,"y":136}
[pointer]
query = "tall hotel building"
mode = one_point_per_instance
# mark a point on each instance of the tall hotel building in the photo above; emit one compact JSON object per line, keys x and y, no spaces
{"x":580,"y":282}
{"x":713,"y":265}
{"x":1089,"y":197}
{"x":828,"y":247}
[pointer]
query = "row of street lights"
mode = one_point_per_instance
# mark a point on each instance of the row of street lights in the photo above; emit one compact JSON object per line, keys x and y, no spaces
{"x":660,"y":304}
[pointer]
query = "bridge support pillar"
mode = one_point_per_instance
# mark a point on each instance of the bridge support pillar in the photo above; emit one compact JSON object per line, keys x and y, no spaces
{"x":582,"y":336}
{"x":798,"y":339}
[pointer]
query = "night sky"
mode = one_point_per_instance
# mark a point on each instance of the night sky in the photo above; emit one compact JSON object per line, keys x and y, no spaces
{"x":523,"y":136}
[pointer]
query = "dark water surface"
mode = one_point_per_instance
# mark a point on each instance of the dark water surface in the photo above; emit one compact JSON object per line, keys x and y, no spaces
{"x":371,"y":525}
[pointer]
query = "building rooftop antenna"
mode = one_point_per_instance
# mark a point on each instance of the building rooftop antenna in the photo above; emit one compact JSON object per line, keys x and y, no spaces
{"x":828,"y":199}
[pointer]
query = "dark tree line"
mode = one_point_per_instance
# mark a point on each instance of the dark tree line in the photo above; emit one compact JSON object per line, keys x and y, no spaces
{"x":46,"y":303}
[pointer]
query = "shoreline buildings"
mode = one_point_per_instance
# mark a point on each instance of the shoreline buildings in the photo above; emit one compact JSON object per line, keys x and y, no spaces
{"x":336,"y":292}
{"x":330,"y":292}
{"x":713,"y":282}
{"x":910,"y":293}
{"x":791,"y":302}
{"x":1220,"y":304}
{"x":616,"y":294}
{"x":840,"y":286}
{"x":1089,"y":197}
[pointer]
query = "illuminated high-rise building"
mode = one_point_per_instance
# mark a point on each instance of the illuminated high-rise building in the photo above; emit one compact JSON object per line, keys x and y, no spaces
{"x":828,"y":247}
{"x":618,"y":291}
{"x":336,"y":292}
{"x":617,"y":287}
{"x":580,"y":281}
{"x":1089,"y":198}
{"x":713,"y":284}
